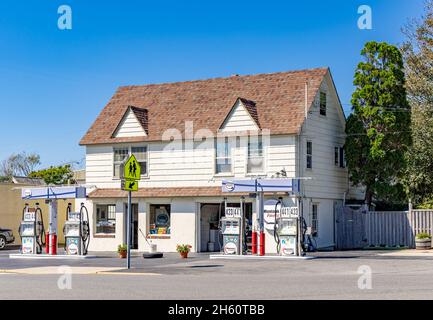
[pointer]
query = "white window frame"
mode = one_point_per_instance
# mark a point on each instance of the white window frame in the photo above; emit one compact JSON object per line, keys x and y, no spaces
{"x":337,"y":156}
{"x":96,"y":233}
{"x":248,"y":157}
{"x":315,"y":219}
{"x":309,"y":155}
{"x":118,"y":163}
{"x":342,"y":158}
{"x":129,"y":148}
{"x":228,"y":146}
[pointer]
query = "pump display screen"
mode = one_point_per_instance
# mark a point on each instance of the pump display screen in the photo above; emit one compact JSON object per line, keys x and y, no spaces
{"x":27,"y":229}
{"x":231,"y":227}
{"x":287,"y":227}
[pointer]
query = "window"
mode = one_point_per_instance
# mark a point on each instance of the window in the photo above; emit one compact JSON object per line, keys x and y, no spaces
{"x":141,"y":154}
{"x":120,"y":155}
{"x":342,"y":158}
{"x":309,"y":155}
{"x":337,"y":156}
{"x":255,"y":163}
{"x":160,"y":219}
{"x":315,"y":220}
{"x":105,"y":219}
{"x":223,"y":156}
{"x":322,"y":103}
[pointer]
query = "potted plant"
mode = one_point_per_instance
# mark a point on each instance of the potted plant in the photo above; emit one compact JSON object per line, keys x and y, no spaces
{"x":122,"y":250}
{"x":423,"y":241}
{"x":184,"y":250}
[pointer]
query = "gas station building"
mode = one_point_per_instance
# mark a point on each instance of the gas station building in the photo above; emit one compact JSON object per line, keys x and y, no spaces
{"x":190,"y":137}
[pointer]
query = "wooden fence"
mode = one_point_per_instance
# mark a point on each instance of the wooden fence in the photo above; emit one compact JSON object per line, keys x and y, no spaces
{"x":359,"y":229}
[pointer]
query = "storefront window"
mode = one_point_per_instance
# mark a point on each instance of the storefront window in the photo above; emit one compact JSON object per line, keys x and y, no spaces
{"x":160,"y":220}
{"x":105,"y":219}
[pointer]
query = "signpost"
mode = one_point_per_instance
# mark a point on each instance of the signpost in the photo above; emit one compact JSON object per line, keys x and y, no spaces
{"x":130,"y":174}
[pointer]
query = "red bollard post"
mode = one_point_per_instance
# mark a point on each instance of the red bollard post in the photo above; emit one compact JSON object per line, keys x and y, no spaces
{"x":47,"y":243}
{"x":262,"y":244}
{"x":254,"y":243}
{"x":53,"y":245}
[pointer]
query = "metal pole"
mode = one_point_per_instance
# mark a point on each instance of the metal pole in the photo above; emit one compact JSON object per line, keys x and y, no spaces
{"x":128,"y":231}
{"x":242,"y":233}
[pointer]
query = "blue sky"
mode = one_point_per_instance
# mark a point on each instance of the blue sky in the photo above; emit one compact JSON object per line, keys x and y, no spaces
{"x":54,"y":83}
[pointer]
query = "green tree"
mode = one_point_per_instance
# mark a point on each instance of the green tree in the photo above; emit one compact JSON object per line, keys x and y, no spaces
{"x":418,"y":57}
{"x":55,"y":175}
{"x":378,"y":130}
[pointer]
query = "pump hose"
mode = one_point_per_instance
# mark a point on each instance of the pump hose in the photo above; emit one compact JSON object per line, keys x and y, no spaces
{"x":220,"y":228}
{"x":86,"y":238}
{"x":276,"y":235}
{"x":41,"y":240}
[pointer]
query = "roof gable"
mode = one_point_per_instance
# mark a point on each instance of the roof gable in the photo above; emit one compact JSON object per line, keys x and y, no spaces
{"x":279,"y":104}
{"x":133,"y":124}
{"x":242,"y":117}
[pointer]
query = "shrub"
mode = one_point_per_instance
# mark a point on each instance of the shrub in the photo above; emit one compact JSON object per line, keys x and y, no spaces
{"x":423,"y":236}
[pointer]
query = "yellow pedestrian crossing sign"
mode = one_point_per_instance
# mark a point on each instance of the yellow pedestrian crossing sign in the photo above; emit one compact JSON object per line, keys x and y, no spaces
{"x":131,"y":169}
{"x":130,"y":185}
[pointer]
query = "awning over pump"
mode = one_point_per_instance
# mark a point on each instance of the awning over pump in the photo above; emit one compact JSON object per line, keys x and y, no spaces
{"x":262,"y":185}
{"x":53,"y":193}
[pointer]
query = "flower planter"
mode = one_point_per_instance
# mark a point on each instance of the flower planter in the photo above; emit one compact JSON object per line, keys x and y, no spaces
{"x":123,"y":254}
{"x":423,"y":244}
{"x":184,"y":255}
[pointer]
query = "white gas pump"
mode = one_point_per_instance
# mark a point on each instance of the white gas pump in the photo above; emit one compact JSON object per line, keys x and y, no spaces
{"x":287,"y":231}
{"x":32,"y":230}
{"x":77,"y":231}
{"x":232,"y":226}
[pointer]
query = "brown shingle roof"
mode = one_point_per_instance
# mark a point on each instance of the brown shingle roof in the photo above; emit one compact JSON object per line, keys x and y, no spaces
{"x":185,"y":192}
{"x":279,"y":100}
{"x":252,"y":109}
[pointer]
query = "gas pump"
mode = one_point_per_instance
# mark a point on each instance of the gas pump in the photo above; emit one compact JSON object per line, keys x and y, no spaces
{"x":32,"y":230}
{"x":77,"y":231}
{"x":233,"y":230}
{"x":287,"y":231}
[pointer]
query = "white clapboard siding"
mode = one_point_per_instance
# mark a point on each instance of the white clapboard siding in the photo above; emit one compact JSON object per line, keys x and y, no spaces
{"x":239,"y":120}
{"x":326,"y":132}
{"x":130,"y":127}
{"x":170,"y":166}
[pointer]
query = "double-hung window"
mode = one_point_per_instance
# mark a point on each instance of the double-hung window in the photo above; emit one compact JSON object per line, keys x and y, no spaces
{"x":256,"y":160}
{"x":141,"y":154}
{"x":223,"y":156}
{"x":339,"y":157}
{"x":315,"y":219}
{"x":120,"y":155}
{"x":105,"y":219}
{"x":309,"y":155}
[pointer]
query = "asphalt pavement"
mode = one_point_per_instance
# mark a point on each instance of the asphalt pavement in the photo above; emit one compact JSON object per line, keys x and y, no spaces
{"x":335,"y":275}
